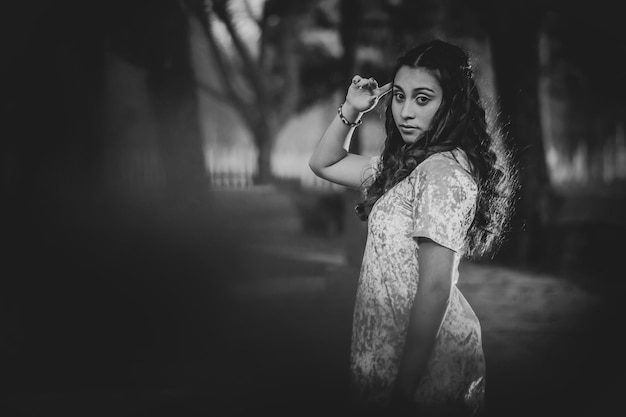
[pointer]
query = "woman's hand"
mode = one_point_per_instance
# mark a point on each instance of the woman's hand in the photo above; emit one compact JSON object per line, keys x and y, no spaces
{"x":364,"y":93}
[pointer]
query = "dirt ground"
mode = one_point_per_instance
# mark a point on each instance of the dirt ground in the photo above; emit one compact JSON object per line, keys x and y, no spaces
{"x":549,"y":341}
{"x":258,"y":323}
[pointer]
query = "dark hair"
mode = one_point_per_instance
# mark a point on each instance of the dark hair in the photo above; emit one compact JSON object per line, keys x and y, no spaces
{"x":460,"y":122}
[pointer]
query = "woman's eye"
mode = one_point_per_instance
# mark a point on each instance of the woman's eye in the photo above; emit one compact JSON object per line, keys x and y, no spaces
{"x":422,"y":99}
{"x":398,"y":96}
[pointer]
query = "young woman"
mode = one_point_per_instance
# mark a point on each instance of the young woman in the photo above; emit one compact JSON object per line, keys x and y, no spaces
{"x":441,"y":190}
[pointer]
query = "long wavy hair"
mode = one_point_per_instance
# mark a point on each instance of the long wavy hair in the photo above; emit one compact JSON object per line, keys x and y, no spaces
{"x":460,"y":122}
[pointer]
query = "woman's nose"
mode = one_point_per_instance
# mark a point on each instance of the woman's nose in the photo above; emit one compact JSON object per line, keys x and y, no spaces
{"x":408,"y":112}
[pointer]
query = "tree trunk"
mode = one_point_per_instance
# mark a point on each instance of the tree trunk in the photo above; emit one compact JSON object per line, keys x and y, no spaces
{"x":172,"y":92}
{"x":264,"y":136}
{"x":178,"y":136}
{"x":514,"y":35}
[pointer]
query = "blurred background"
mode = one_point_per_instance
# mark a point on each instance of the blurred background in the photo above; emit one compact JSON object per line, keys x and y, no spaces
{"x":168,"y":252}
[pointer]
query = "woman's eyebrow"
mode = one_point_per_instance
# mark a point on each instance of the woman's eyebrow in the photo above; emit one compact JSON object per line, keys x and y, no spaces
{"x":415,"y":90}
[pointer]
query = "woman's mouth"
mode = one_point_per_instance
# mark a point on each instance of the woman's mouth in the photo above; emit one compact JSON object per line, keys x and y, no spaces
{"x":408,"y":129}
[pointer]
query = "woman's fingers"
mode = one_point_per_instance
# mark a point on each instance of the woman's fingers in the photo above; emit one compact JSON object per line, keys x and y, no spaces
{"x":364,"y":83}
{"x":364,"y":93}
{"x":384,"y":90}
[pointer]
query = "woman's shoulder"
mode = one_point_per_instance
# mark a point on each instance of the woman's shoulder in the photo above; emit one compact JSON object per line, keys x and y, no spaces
{"x":452,"y":163}
{"x":454,"y":159}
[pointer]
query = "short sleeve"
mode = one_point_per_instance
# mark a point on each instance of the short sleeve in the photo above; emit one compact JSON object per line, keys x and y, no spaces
{"x":372,"y":169}
{"x":444,"y":204}
{"x":369,"y":175}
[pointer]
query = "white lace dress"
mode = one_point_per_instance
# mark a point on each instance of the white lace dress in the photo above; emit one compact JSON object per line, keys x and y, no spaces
{"x":437,"y":200}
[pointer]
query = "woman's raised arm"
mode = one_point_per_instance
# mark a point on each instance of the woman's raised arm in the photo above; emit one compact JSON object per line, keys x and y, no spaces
{"x":330,"y":159}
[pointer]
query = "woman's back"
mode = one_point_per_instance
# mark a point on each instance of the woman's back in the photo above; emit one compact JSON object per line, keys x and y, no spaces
{"x":437,"y":201}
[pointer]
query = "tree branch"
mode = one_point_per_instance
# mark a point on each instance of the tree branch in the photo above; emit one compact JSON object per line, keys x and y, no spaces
{"x":290,"y":92}
{"x":231,"y":91}
{"x":223,"y":70}
{"x":219,"y":95}
{"x":250,"y":13}
{"x":256,"y":77}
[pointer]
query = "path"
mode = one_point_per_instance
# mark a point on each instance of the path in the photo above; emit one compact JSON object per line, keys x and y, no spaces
{"x":270,"y":334}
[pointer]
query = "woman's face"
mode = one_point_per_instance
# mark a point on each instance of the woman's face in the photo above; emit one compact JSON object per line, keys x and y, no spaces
{"x":416,"y":97}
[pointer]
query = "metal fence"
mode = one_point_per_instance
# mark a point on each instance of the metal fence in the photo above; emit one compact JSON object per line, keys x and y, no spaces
{"x":236,"y":168}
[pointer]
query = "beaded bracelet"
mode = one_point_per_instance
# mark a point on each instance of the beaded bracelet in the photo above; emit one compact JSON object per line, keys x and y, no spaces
{"x":345,"y":121}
